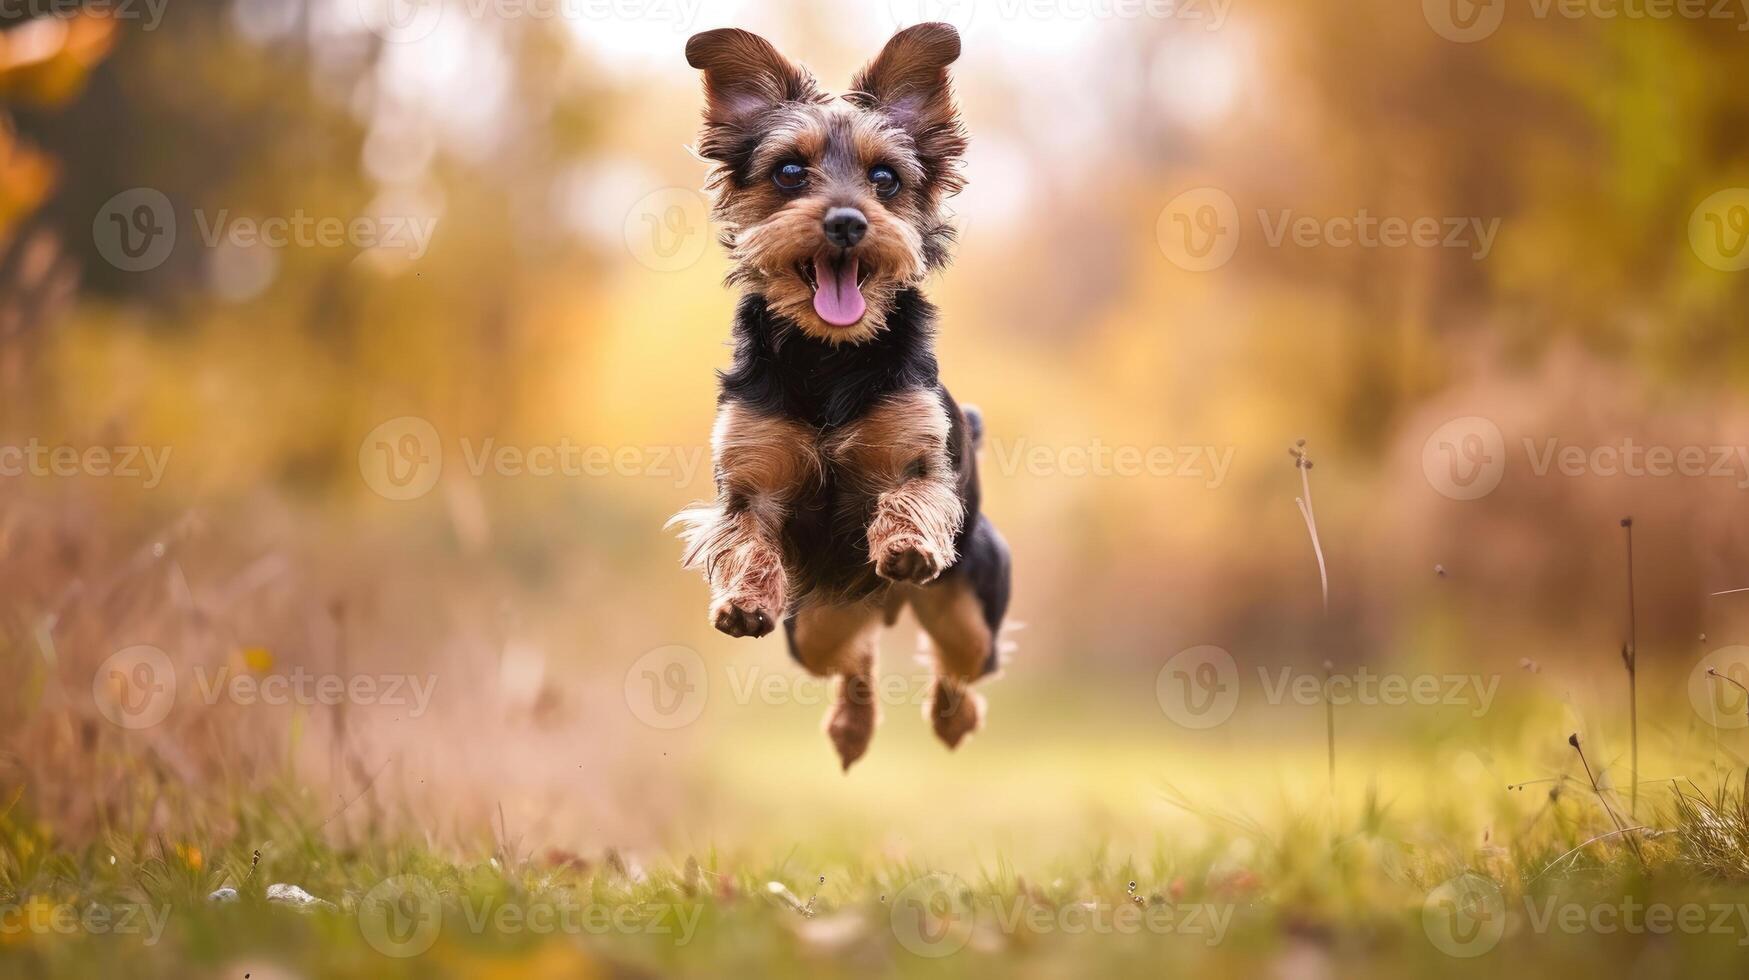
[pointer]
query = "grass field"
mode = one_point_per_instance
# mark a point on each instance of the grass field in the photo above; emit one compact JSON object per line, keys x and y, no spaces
{"x":1082,"y":832}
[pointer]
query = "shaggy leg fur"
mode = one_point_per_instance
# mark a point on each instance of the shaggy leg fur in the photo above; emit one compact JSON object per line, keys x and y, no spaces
{"x":761,"y":462}
{"x":742,"y":564}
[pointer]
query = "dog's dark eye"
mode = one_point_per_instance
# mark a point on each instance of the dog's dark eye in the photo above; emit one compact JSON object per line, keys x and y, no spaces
{"x":791,"y":176}
{"x":885,"y":181}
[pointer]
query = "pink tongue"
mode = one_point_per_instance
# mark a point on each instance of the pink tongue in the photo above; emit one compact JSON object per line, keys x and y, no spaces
{"x":838,"y":301}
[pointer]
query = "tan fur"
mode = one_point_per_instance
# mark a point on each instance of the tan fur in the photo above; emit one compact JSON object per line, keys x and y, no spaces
{"x":760,"y":463}
{"x":958,"y":635}
{"x":770,"y":234}
{"x":836,"y":638}
{"x":841,"y":639}
{"x":763,"y":456}
{"x":899,"y":451}
{"x":800,"y":134}
{"x":961,"y":642}
{"x":875,"y":142}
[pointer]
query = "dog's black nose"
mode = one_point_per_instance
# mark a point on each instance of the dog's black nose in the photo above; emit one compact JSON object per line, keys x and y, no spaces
{"x":845,"y":226}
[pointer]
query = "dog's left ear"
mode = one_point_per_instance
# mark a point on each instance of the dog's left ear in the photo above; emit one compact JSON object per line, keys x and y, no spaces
{"x":908,"y":81}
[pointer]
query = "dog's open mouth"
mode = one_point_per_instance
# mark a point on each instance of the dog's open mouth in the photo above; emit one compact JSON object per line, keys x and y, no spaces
{"x":837,"y":284}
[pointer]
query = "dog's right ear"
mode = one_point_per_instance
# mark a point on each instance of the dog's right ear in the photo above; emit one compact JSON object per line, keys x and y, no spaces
{"x":743,"y":76}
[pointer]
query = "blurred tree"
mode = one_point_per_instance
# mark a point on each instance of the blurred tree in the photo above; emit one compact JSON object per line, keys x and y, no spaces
{"x":44,"y":63}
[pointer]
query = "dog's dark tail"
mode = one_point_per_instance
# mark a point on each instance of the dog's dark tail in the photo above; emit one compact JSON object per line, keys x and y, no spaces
{"x":974,"y":425}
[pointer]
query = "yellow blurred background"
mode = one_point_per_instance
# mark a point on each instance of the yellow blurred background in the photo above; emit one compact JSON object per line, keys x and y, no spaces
{"x":357,"y":274}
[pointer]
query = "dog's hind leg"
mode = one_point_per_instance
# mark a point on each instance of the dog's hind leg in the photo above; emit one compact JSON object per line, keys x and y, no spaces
{"x":840,"y":640}
{"x":962,"y":615}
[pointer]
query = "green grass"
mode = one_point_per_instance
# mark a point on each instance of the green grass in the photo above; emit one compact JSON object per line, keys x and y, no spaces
{"x":1357,"y":901}
{"x":931,"y":864}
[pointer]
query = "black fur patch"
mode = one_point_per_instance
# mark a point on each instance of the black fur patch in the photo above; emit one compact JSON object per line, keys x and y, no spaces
{"x":780,"y":370}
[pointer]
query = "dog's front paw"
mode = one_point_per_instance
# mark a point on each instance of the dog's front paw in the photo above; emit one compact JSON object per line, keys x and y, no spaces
{"x":744,"y":617}
{"x":908,"y":560}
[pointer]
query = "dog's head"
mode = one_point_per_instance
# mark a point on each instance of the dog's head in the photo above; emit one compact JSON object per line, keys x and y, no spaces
{"x":831,"y":206}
